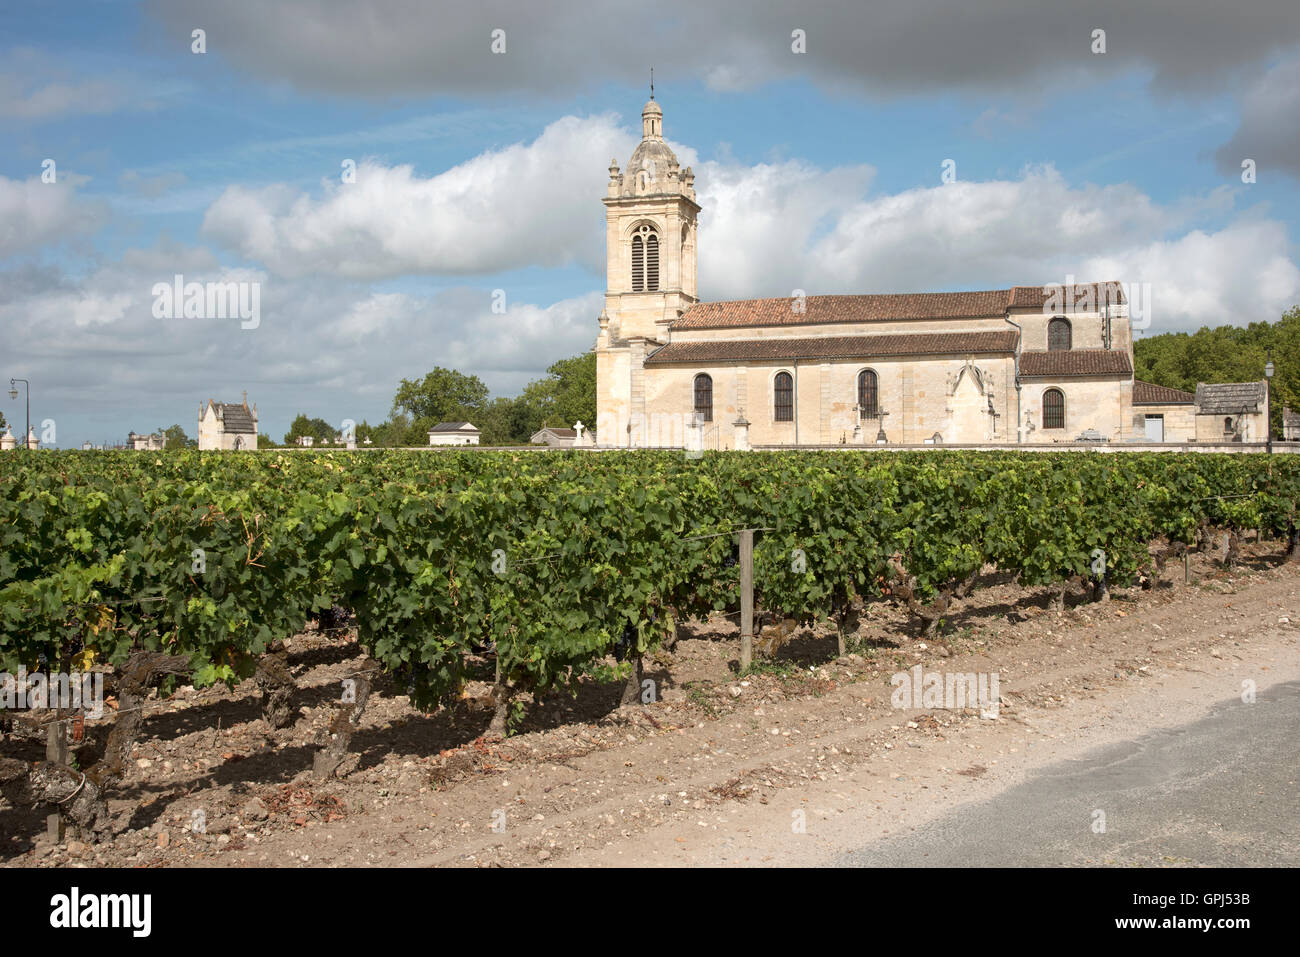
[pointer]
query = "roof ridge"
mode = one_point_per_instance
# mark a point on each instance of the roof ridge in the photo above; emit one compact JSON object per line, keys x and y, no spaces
{"x":858,"y":295}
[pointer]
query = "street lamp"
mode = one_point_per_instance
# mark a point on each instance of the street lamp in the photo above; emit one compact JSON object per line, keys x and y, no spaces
{"x":1268,"y":401}
{"x":13,"y":394}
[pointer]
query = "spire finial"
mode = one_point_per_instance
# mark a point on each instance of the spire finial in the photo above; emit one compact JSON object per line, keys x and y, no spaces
{"x":652,"y":83}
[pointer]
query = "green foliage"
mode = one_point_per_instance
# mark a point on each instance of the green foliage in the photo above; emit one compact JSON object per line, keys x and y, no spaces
{"x":1227,"y":354}
{"x":557,"y":557}
{"x":444,"y":395}
{"x":567,"y":394}
{"x":174,"y":437}
{"x":318,"y":429}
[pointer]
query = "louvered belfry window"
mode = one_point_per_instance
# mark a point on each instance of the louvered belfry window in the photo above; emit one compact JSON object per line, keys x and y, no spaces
{"x":1058,"y":335}
{"x":645,"y":260}
{"x":704,"y":396}
{"x":868,"y":393}
{"x":783,"y":397}
{"x":1053,"y":409}
{"x":652,"y":263}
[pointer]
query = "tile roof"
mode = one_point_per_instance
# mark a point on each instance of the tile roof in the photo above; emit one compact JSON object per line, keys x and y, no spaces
{"x":1229,"y":398}
{"x":1290,"y":420}
{"x":1074,"y":362}
{"x":235,"y":417}
{"x":1148,"y":393}
{"x":831,"y":309}
{"x":453,"y":427}
{"x":989,"y":303}
{"x":1035,"y":297}
{"x":558,"y":433}
{"x":838,"y":347}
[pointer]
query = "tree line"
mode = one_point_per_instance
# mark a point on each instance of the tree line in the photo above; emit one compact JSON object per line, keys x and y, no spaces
{"x":565,"y":395}
{"x":1180,"y":360}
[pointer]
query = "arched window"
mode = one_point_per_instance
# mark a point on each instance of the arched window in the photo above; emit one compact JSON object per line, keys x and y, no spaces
{"x":783,"y":397}
{"x":1058,"y":335}
{"x":645,"y":260}
{"x":1227,"y":426}
{"x":1053,"y":409}
{"x":868,"y":394}
{"x":704,"y":396}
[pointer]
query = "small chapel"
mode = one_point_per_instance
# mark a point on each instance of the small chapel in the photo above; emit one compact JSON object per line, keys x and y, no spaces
{"x":1029,"y":364}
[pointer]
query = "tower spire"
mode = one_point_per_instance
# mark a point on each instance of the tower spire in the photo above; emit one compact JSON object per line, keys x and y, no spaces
{"x":652,"y":83}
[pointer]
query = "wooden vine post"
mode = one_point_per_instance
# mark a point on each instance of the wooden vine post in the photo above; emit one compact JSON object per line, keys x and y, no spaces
{"x":746,"y":599}
{"x":56,"y":751}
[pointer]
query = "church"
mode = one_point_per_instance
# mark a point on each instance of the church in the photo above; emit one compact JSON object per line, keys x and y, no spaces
{"x":1029,"y":364}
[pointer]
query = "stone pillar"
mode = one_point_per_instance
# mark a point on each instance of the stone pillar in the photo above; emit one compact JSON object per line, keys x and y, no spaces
{"x":741,"y":426}
{"x":694,"y":439}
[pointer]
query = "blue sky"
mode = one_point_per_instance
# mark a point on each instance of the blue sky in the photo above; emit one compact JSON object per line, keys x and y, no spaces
{"x":483,"y":172}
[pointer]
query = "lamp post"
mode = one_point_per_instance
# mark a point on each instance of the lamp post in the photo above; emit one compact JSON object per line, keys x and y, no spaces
{"x":13,"y":394}
{"x":1268,"y":401}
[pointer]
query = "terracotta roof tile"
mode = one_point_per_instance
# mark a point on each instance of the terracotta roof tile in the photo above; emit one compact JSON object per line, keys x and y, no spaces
{"x":814,"y":310}
{"x":1035,"y":297}
{"x":838,"y":347}
{"x":1074,"y":362}
{"x":831,"y":309}
{"x":1148,"y":393}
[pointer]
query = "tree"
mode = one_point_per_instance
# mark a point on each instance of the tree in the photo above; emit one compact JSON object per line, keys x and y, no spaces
{"x":444,"y":395}
{"x":575,"y":391}
{"x":318,"y":429}
{"x":174,"y":437}
{"x":565,"y":396}
{"x":264,"y":441}
{"x":503,"y":422}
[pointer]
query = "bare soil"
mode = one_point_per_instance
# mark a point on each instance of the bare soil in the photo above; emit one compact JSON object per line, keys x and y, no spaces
{"x":714,"y":771}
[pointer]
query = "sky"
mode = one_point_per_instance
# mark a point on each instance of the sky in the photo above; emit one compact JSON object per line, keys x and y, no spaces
{"x":410,"y":184}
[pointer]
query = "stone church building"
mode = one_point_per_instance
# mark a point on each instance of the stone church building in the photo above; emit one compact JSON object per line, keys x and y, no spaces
{"x":1029,"y":364}
{"x":228,"y":426}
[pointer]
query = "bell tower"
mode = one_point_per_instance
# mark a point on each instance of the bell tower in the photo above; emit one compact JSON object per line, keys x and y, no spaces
{"x":650,"y":255}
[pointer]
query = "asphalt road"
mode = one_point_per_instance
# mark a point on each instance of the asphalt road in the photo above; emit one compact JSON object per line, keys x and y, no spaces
{"x":1221,"y":791}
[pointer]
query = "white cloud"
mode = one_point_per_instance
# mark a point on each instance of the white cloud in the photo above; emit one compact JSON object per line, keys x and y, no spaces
{"x":33,"y":213}
{"x":526,"y":204}
{"x":1233,"y":276}
{"x":103,"y":364}
{"x":773,"y":229}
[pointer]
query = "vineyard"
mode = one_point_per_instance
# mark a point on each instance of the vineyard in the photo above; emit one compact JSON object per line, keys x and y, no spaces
{"x":559,"y":567}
